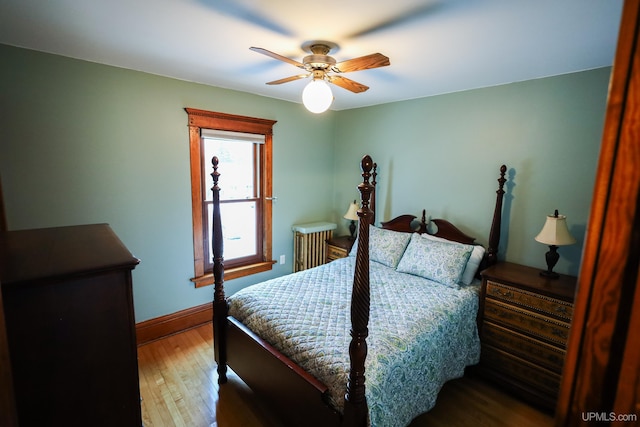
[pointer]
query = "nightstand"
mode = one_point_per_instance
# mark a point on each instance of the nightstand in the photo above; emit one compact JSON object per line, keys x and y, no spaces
{"x":339,"y":247}
{"x":524,"y":323}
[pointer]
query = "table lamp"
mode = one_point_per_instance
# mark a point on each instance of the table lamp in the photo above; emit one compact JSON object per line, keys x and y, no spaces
{"x":554,"y":233}
{"x":352,"y":215}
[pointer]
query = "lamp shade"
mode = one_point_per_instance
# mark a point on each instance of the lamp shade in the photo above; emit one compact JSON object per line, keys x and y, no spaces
{"x":555,"y":231}
{"x":317,"y":96}
{"x":352,"y":212}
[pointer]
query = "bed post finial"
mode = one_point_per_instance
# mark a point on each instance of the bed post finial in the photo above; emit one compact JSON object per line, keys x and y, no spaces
{"x":424,"y":224}
{"x":355,"y":409}
{"x":494,"y":234}
{"x":366,"y":191}
{"x":220,"y":308}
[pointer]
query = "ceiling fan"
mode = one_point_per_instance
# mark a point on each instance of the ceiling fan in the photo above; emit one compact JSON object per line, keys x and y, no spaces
{"x":324,"y":69}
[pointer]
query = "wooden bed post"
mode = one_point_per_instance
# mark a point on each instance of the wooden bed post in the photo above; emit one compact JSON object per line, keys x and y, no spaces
{"x":374,"y":175}
{"x":494,"y":234}
{"x":220,"y":308}
{"x":355,"y":406}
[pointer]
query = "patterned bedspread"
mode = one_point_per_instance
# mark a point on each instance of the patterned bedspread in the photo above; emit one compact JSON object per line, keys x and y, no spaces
{"x":421,"y":333}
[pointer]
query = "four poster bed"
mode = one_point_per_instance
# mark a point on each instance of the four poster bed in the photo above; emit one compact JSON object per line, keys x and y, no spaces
{"x":400,"y":309}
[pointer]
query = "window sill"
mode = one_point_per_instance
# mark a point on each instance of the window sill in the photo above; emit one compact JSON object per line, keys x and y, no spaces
{"x":234,"y":273}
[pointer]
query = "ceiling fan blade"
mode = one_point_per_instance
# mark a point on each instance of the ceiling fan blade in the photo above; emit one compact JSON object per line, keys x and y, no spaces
{"x":374,"y":60}
{"x":288,"y":79}
{"x":276,"y":56}
{"x":348,"y":84}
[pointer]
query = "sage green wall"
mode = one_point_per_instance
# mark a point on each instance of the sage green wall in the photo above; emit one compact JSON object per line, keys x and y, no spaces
{"x":443,"y":153}
{"x":87,"y":143}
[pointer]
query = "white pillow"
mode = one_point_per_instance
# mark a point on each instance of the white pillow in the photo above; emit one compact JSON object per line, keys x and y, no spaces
{"x":473,"y":264}
{"x":385,"y":246}
{"x":443,"y":262}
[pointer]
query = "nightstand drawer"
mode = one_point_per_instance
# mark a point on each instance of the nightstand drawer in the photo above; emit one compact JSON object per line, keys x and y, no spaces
{"x":528,"y":322}
{"x":334,"y":252}
{"x":547,"y":355}
{"x":542,"y":303}
{"x":522,"y":370}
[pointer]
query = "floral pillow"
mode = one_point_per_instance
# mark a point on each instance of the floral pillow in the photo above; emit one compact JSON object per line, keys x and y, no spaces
{"x":385,"y":246}
{"x":441,"y":262}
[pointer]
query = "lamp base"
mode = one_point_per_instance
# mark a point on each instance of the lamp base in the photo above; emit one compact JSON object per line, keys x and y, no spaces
{"x":352,"y":229}
{"x":551,"y":257}
{"x":549,"y":274}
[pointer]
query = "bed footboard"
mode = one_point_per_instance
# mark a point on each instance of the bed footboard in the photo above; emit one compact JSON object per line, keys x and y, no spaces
{"x":294,"y":394}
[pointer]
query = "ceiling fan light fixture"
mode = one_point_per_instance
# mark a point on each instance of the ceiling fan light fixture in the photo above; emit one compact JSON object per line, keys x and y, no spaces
{"x":324,"y":69}
{"x":317,"y":96}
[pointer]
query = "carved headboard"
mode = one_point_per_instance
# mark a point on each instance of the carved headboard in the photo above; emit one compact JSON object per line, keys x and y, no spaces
{"x":444,"y":229}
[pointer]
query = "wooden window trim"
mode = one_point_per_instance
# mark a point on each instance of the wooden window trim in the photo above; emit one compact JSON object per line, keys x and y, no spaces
{"x":199,"y":119}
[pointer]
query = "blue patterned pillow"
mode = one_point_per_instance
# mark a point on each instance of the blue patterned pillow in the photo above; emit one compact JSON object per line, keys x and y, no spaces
{"x":473,"y":264}
{"x":438,"y":261}
{"x":385,"y":246}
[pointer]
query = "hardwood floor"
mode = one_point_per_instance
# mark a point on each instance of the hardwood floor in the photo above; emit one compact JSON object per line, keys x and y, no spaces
{"x":178,"y":384}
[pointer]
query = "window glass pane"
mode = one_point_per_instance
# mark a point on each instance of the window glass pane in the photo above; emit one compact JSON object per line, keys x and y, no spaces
{"x":238,"y":229}
{"x":236,"y":168}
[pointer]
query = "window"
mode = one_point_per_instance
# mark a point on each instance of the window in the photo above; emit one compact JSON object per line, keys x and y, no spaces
{"x":243,"y":146}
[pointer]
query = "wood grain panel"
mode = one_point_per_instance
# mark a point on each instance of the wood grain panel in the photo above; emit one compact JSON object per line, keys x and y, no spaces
{"x":522,"y":370}
{"x":528,"y":322}
{"x":601,"y":347}
{"x":541,"y":303}
{"x":549,"y":356}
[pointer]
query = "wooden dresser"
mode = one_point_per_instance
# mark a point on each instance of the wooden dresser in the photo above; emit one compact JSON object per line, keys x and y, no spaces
{"x":524,"y":325}
{"x":339,"y":247}
{"x":68,"y":308}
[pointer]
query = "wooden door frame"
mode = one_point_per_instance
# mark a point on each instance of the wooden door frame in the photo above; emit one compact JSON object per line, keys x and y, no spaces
{"x":601,"y":377}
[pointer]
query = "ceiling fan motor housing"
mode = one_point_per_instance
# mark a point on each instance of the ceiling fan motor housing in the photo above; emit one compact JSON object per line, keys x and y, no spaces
{"x":316,"y":62}
{"x":319,"y":58}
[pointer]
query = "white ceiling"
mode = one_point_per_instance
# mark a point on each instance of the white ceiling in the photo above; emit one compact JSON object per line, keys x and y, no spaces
{"x":435,"y":46}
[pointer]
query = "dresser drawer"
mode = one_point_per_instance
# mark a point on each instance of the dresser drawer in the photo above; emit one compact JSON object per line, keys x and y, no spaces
{"x":334,"y":252}
{"x":528,"y":322}
{"x":521,"y":370}
{"x":541,"y":303}
{"x":538,"y":352}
